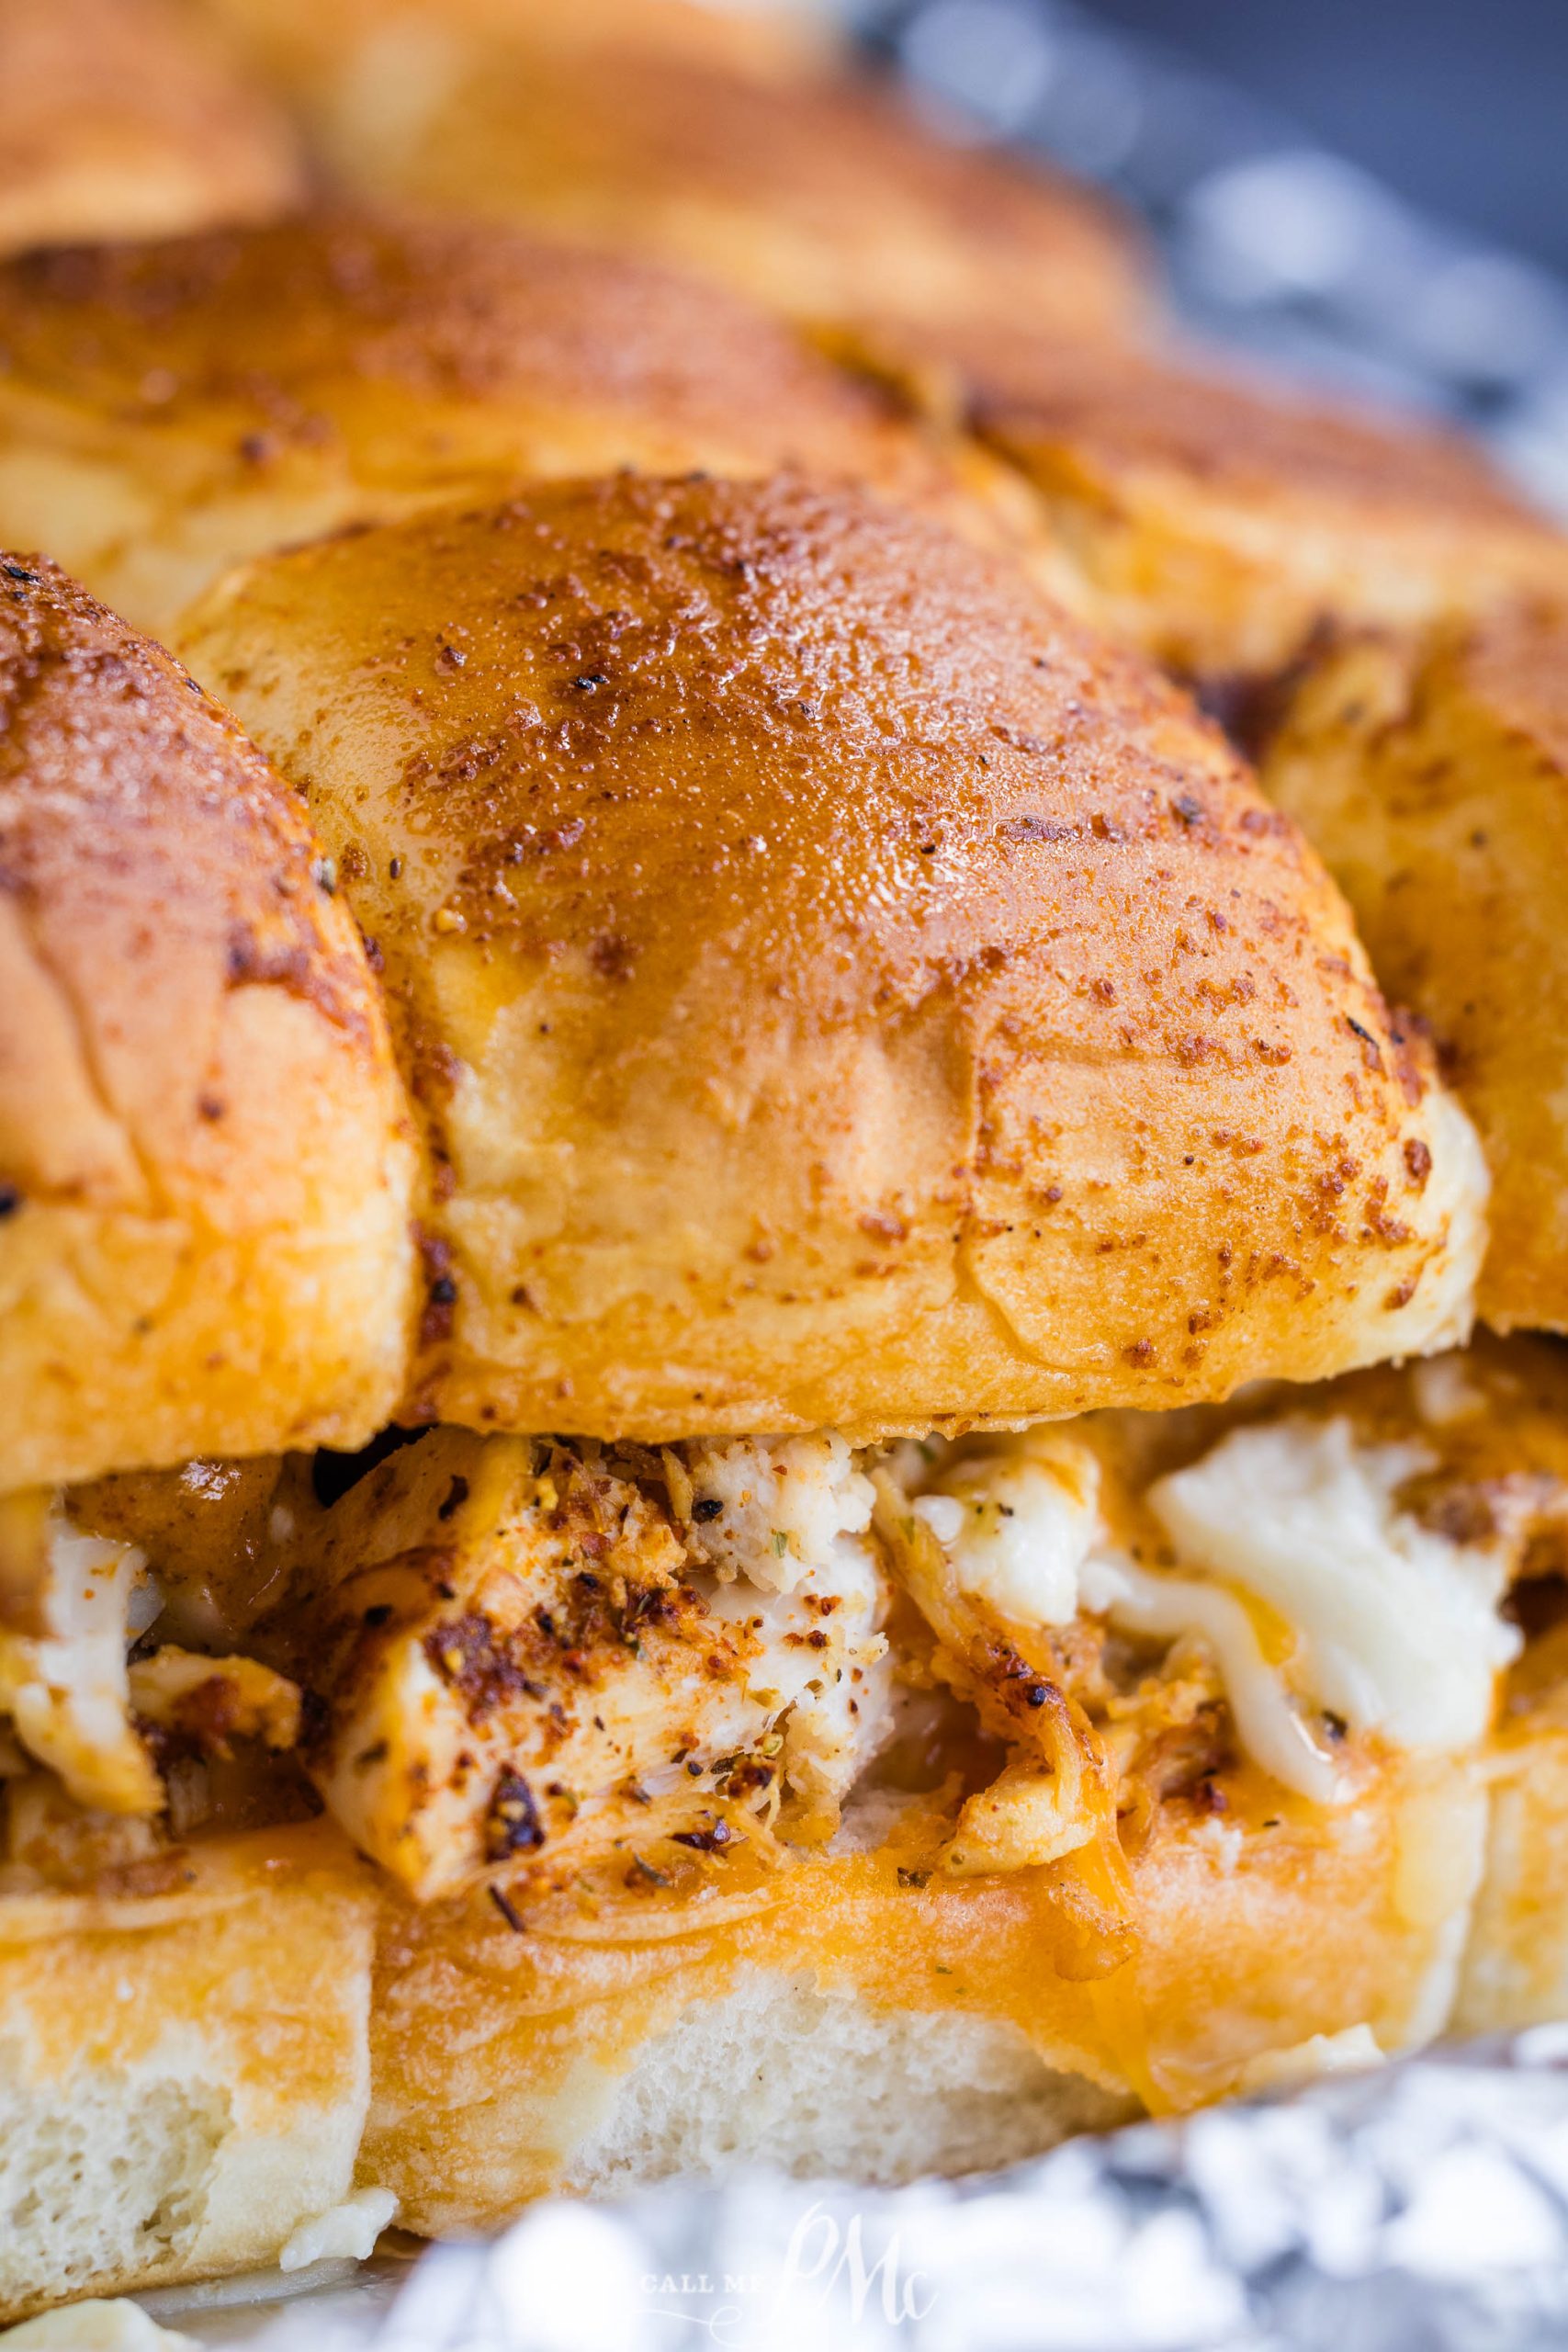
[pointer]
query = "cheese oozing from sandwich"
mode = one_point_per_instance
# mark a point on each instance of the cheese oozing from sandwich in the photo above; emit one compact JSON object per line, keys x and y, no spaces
{"x":1390,"y":1627}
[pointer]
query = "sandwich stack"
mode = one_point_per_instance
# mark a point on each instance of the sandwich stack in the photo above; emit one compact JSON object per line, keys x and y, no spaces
{"x":743,"y":1409}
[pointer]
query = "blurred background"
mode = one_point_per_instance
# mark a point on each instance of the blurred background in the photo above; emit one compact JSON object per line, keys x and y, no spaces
{"x":1376,"y":190}
{"x":1458,"y":105}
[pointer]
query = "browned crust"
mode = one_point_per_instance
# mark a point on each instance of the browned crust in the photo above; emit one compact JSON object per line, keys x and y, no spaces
{"x":1219,"y":519}
{"x":884,"y":1000}
{"x":1432,"y":771}
{"x":1121,"y":409}
{"x":267,"y":337}
{"x":348,"y":366}
{"x":822,"y":198}
{"x":123,"y":118}
{"x":182,"y":994}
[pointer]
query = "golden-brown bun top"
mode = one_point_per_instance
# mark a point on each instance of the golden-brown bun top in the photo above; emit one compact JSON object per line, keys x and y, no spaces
{"x":204,"y":1182}
{"x":822,"y":198}
{"x":168,"y":409}
{"x":1239,"y":431}
{"x":1431,"y":769}
{"x":838,"y":989}
{"x":132,"y":799}
{"x":302,"y":44}
{"x":1219,"y":518}
{"x":120,"y":118}
{"x":288,"y":333}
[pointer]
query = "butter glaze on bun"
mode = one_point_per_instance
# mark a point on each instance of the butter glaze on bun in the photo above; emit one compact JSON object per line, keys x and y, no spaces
{"x":123,"y":118}
{"x":342,"y":367}
{"x":840,"y":993}
{"x":1216,"y":519}
{"x":204,"y":1161}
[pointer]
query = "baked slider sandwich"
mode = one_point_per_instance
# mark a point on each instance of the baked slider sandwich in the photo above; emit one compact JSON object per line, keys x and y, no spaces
{"x":853,"y":1015}
{"x":128,"y":117}
{"x":206,"y":1173}
{"x":1429,"y":766}
{"x":1215,"y":519}
{"x":344,"y":367}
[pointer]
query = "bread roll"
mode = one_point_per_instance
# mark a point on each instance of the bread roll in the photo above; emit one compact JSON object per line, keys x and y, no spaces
{"x":840,"y":993}
{"x":1516,"y":1967}
{"x":205,"y":1161}
{"x":863,"y":2012}
{"x":1214,"y":521}
{"x":1429,"y":770}
{"x":343,"y":368}
{"x":185,"y":2065}
{"x":124,"y":118}
{"x":388,"y":51}
{"x":820,"y":198}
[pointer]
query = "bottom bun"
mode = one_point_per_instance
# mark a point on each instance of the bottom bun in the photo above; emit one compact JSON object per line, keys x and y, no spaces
{"x":196,"y":2067}
{"x":808,"y":2079}
{"x":860,"y":2013}
{"x":1516,"y":1969}
{"x":183,"y":2071}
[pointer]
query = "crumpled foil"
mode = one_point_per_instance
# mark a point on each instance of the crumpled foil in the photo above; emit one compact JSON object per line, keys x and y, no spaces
{"x":1419,"y":2208}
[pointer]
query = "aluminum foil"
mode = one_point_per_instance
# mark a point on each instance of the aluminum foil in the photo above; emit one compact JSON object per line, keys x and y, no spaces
{"x":1419,"y":2208}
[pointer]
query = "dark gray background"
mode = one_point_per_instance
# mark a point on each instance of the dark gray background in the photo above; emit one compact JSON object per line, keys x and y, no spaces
{"x":1461,"y":105}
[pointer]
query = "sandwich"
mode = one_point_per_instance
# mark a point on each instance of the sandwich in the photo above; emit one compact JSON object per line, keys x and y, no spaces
{"x":870,"y":1054}
{"x":742,"y":1420}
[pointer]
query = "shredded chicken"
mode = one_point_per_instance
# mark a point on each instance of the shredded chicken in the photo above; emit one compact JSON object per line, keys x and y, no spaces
{"x":1056,"y":1794}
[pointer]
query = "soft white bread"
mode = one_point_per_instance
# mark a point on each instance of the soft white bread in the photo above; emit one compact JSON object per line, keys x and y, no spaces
{"x":1515,"y":1970}
{"x":840,"y":992}
{"x":865,"y":2010}
{"x":1217,"y":520}
{"x":126,"y":118}
{"x":1516,"y":1964}
{"x":783,"y":2072}
{"x":342,"y":367}
{"x":205,"y":1162}
{"x":184,"y":2068}
{"x":1430,"y":771}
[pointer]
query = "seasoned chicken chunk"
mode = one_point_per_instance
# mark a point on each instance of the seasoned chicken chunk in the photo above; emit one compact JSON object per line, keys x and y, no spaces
{"x":524,"y":1650}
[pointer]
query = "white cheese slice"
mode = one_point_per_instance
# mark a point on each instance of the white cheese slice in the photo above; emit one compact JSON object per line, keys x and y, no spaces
{"x":1398,"y":1626}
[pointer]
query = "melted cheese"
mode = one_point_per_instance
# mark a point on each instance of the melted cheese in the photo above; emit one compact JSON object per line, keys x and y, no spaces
{"x":1397,"y":1627}
{"x":1167,"y":1608}
{"x":345,"y":2233}
{"x":1016,"y":1523}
